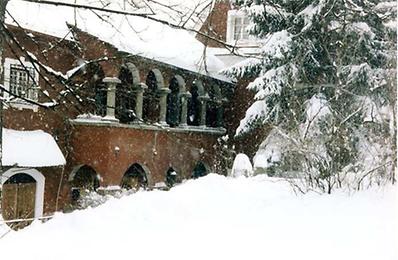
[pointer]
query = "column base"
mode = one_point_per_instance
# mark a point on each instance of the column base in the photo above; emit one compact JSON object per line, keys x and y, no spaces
{"x":110,"y":119}
{"x":163,"y":123}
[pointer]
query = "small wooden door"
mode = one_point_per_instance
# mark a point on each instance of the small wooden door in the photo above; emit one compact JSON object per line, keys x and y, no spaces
{"x":18,"y":202}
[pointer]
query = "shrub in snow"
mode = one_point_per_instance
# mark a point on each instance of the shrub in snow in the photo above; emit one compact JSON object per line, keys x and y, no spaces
{"x":86,"y":198}
{"x":225,"y":155}
{"x":242,"y":166}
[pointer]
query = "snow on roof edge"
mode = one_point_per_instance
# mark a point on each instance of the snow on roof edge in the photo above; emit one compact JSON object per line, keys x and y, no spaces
{"x":30,"y":149}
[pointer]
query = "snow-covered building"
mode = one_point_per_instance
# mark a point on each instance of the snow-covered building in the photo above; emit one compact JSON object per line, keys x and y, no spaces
{"x":127,"y":105}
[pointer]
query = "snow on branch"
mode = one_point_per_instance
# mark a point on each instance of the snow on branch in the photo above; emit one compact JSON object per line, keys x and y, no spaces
{"x":258,"y":112}
{"x":277,"y":45}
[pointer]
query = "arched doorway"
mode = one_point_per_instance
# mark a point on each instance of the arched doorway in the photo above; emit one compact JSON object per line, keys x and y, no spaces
{"x":22,"y":196}
{"x":135,"y":178}
{"x":200,"y":170}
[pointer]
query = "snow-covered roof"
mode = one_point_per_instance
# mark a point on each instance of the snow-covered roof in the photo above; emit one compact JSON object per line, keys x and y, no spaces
{"x":131,"y":34}
{"x":30,"y":149}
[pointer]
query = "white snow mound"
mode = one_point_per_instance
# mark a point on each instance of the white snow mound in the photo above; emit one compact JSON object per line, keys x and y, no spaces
{"x":242,"y":166}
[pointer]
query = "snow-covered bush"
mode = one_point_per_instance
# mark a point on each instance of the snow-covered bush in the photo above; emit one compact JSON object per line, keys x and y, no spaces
{"x":242,"y":166}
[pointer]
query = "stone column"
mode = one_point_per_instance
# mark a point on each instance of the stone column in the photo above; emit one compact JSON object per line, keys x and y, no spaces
{"x":203,"y":109}
{"x":111,"y":83}
{"x":163,"y":92}
{"x":139,"y":98}
{"x":184,"y":108}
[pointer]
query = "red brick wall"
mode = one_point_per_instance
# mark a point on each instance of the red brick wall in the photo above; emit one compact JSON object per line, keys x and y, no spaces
{"x":156,"y":149}
{"x":215,"y":24}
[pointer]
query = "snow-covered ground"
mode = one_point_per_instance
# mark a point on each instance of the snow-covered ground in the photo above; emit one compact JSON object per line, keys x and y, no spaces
{"x":216,"y":217}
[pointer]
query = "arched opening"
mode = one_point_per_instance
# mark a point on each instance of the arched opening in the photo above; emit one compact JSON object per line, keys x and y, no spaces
{"x":151,"y":105}
{"x":214,"y":108}
{"x":22,"y":196}
{"x":20,"y":178}
{"x":85,"y":177}
{"x":200,"y":170}
{"x":135,"y":178}
{"x":172,"y":177}
{"x":96,"y":74}
{"x":194,"y":105}
{"x":89,"y":79}
{"x":173,"y":103}
{"x":211,"y":114}
{"x":125,"y":96}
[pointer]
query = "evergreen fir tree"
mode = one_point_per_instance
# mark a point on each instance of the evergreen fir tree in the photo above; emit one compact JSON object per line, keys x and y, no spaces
{"x":325,"y":80}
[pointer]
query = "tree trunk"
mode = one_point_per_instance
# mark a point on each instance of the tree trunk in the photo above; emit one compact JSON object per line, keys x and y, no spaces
{"x":3,"y":5}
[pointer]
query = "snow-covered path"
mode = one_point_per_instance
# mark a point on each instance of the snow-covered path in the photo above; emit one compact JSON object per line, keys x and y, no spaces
{"x":220,"y":218}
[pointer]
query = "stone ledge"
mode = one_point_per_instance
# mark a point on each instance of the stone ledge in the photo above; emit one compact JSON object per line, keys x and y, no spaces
{"x":153,"y":127}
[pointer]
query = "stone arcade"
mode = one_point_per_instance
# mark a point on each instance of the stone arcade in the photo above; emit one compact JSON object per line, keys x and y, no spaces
{"x":129,"y":121}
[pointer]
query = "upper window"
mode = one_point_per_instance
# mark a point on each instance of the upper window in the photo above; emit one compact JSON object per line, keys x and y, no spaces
{"x":237,"y":24}
{"x":21,"y":80}
{"x":240,"y":24}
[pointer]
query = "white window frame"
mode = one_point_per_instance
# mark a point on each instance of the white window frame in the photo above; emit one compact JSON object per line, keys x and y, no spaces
{"x":233,"y":15}
{"x":17,"y":102}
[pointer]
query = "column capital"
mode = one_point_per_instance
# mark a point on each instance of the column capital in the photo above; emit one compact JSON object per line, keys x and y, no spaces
{"x":141,"y":86}
{"x":111,"y":80}
{"x":186,"y":94}
{"x":204,"y":97}
{"x":164,"y":91}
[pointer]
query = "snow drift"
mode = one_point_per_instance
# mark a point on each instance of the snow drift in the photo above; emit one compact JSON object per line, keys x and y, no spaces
{"x":215,"y":217}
